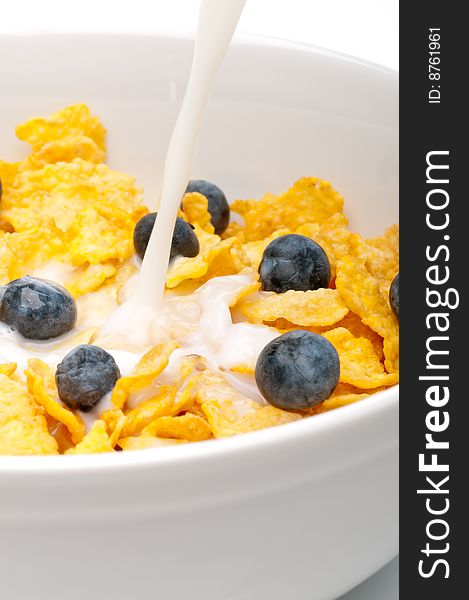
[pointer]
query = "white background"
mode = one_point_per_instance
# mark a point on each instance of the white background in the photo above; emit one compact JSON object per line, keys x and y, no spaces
{"x":364,"y":28}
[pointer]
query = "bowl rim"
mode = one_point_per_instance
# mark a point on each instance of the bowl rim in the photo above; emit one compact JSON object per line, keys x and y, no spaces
{"x":344,"y":417}
{"x":241,"y":38}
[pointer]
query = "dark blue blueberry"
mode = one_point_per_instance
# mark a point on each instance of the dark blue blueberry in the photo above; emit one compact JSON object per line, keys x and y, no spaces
{"x":185,"y":242}
{"x":294,"y":262}
{"x":37,"y":308}
{"x":85,"y":375}
{"x":297,"y":370}
{"x":218,"y":206}
{"x":394,"y":295}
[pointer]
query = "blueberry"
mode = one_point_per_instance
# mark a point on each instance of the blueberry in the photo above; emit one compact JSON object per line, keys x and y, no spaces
{"x":218,"y":206}
{"x":297,"y":370}
{"x":394,"y":295}
{"x":185,"y":242}
{"x":37,"y":308}
{"x":294,"y":262}
{"x":85,"y":375}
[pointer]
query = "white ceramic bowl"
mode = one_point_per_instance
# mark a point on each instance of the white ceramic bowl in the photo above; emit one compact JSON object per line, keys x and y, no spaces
{"x":303,"y":511}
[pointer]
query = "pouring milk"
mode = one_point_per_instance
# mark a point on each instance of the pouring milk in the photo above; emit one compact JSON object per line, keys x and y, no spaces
{"x":217,"y":23}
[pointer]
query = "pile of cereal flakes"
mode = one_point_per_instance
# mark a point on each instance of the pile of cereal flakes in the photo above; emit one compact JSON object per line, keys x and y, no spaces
{"x":64,"y":203}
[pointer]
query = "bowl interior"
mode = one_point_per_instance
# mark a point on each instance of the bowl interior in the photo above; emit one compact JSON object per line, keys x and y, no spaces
{"x":278,"y":111}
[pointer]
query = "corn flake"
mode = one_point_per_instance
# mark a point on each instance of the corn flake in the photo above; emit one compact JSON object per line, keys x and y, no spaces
{"x":96,"y":441}
{"x":338,"y":401}
{"x":309,"y":200}
{"x":355,"y":325}
{"x":332,"y":235}
{"x":61,"y":203}
{"x":161,"y":404}
{"x":383,"y":257}
{"x":89,"y":278}
{"x":359,"y":364}
{"x":8,"y":369}
{"x":361,"y":292}
{"x":242,"y":369}
{"x":144,"y":374}
{"x":23,"y":430}
{"x":73,"y":121}
{"x":216,"y":257}
{"x":41,"y":385}
{"x":144,"y":442}
{"x":115,"y":420}
{"x":188,"y":427}
{"x":228,"y":412}
{"x":195,"y":209}
{"x":320,"y":307}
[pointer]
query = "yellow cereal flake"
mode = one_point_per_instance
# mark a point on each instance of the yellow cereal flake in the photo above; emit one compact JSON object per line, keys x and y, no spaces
{"x":345,"y":389}
{"x":41,"y":385}
{"x":66,"y":150}
{"x":338,"y":401}
{"x":188,"y":427}
{"x":57,"y":194}
{"x":22,"y":252}
{"x":383,"y":257}
{"x":115,"y":420}
{"x":144,"y":442}
{"x":309,"y":200}
{"x":361,"y":292}
{"x":359,"y":364}
{"x":234,"y":229}
{"x":89,"y":278}
{"x":243,"y":292}
{"x":355,"y":325}
{"x":310,"y":230}
{"x":72,"y":121}
{"x":332,"y":235}
{"x":335,"y":234}
{"x":320,"y":307}
{"x":23,"y":430}
{"x":8,"y":172}
{"x":389,"y":242}
{"x":242,"y":369}
{"x":7,"y":369}
{"x":5,"y":228}
{"x":95,"y":240}
{"x":144,"y":374}
{"x":169,"y":400}
{"x":351,"y":322}
{"x":216,"y":257}
{"x":195,"y":209}
{"x":18,"y":438}
{"x":62,"y":204}
{"x":95,"y":441}
{"x":163,"y":403}
{"x":228,"y":412}
{"x":358,"y":247}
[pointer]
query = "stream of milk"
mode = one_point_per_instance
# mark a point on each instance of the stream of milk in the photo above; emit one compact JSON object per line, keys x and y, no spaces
{"x":217,"y":23}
